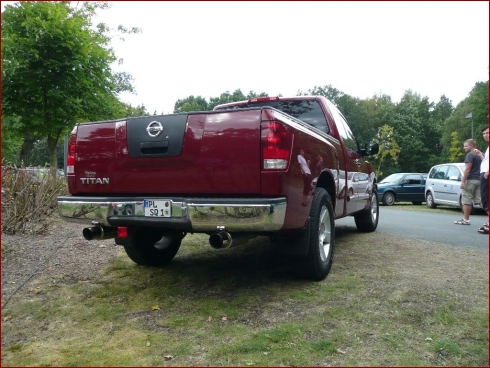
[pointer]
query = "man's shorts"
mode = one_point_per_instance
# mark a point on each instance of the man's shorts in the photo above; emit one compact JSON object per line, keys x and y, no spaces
{"x":471,"y":192}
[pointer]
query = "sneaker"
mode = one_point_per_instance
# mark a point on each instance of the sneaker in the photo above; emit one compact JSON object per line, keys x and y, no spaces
{"x":462,"y":222}
{"x":483,"y":229}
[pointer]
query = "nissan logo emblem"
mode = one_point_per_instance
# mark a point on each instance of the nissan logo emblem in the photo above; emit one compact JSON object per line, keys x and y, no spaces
{"x":154,"y":129}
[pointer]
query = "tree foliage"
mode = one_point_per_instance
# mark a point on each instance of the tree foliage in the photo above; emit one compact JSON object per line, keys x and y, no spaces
{"x":388,"y":148}
{"x":56,"y":68}
{"x":11,"y":142}
{"x":456,"y":153}
{"x":199,"y":103}
{"x":56,"y":71}
{"x":191,"y":103}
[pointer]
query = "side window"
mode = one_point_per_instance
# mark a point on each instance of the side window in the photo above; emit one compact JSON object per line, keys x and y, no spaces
{"x":438,"y":172}
{"x":453,"y":173}
{"x":363,"y":177}
{"x":412,"y":179}
{"x":343,"y":128}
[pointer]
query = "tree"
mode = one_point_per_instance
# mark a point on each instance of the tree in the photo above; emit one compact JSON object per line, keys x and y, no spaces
{"x":191,"y":103}
{"x":457,"y":154}
{"x":11,"y":142}
{"x":477,"y":104}
{"x":56,"y":68}
{"x":199,"y":103}
{"x":226,"y":97}
{"x":130,"y":111}
{"x":40,"y":154}
{"x":388,"y":147}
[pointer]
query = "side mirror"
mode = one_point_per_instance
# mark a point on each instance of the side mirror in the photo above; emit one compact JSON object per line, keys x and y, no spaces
{"x":370,"y":149}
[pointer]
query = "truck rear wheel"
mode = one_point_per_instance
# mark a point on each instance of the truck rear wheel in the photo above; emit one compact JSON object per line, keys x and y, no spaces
{"x":153,"y":247}
{"x":316,"y":265}
{"x":367,"y":220}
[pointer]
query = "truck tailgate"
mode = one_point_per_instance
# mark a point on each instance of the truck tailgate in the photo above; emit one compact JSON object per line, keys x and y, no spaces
{"x":214,"y":153}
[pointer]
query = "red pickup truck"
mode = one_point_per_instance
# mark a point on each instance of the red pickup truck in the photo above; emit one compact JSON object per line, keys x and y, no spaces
{"x":274,"y":166}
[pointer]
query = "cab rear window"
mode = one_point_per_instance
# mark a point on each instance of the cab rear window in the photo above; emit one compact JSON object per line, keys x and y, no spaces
{"x":308,"y":111}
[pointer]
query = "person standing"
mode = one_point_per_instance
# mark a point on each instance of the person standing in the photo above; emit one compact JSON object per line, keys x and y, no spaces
{"x":484,"y":179}
{"x":470,"y":182}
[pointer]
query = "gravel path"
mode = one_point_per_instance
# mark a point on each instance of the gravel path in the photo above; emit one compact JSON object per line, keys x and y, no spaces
{"x":61,"y":252}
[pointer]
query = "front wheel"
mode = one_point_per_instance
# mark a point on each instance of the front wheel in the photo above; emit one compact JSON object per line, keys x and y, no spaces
{"x":429,"y":200}
{"x":153,"y":247}
{"x":317,"y":264}
{"x":389,"y":199}
{"x":367,"y":220}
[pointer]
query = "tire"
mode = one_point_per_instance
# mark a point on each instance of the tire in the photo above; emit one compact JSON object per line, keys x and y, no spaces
{"x":367,"y":220}
{"x":389,"y":199}
{"x":152,"y":247}
{"x":317,"y":264}
{"x":417,"y":203}
{"x":429,"y":200}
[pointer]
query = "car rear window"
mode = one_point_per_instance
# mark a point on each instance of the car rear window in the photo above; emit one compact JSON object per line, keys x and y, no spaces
{"x":308,"y":111}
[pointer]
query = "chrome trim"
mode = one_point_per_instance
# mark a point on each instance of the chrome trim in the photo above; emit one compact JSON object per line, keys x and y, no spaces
{"x":207,"y":216}
{"x":237,"y":217}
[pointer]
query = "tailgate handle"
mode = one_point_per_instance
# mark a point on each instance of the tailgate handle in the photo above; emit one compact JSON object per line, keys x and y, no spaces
{"x":154,"y":148}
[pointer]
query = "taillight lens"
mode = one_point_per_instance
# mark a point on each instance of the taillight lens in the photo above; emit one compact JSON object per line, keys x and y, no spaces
{"x":122,"y":232}
{"x":70,"y":156}
{"x":277,"y":141}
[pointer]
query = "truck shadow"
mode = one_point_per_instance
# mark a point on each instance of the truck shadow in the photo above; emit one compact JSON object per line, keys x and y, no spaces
{"x":257,"y":267}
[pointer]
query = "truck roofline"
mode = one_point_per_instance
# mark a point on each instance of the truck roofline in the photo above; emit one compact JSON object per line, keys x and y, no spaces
{"x":244,"y":102}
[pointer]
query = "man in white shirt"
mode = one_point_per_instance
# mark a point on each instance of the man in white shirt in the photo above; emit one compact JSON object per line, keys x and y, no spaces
{"x":484,"y":179}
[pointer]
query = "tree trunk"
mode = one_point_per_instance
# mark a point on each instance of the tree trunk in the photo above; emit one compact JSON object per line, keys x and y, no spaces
{"x":52,"y":142}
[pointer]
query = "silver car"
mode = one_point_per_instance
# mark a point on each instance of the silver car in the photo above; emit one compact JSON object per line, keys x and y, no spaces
{"x":443,"y":185}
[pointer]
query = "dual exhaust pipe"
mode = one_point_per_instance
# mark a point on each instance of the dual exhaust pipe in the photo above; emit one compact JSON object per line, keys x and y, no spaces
{"x":221,"y":240}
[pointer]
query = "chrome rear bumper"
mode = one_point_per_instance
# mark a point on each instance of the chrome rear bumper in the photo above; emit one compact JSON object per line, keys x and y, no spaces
{"x":188,"y":214}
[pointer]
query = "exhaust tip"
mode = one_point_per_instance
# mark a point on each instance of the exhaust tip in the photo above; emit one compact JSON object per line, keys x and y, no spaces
{"x":99,"y":233}
{"x":220,"y":240}
{"x":88,"y":232}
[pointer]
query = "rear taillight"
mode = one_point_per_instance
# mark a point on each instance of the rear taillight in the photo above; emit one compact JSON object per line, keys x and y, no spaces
{"x":277,"y":141}
{"x":70,"y":156}
{"x":122,"y":232}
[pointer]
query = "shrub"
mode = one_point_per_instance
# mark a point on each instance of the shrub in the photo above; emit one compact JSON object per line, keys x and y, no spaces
{"x":29,"y":199}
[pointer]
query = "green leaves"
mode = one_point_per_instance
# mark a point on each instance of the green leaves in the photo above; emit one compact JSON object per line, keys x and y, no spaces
{"x":56,"y":67}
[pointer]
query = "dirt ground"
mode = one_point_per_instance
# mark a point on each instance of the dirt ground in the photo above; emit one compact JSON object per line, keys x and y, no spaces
{"x":61,"y":251}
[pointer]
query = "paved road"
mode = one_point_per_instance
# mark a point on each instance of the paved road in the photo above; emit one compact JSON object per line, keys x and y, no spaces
{"x":436,"y":227}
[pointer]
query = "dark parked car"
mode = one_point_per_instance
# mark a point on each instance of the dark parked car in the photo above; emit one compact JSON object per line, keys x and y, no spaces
{"x":402,"y":187}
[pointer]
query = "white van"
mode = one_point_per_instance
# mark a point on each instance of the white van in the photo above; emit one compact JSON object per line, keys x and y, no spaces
{"x":443,"y":185}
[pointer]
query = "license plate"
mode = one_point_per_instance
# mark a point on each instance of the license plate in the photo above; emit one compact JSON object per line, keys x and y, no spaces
{"x":158,"y":208}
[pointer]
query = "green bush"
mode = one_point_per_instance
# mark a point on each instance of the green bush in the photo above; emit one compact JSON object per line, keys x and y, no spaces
{"x":29,"y":199}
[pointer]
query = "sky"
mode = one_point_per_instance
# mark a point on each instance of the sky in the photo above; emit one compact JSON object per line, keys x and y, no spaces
{"x":364,"y":48}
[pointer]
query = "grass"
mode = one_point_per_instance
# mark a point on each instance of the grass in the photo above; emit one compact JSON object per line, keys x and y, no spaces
{"x":387,"y":301}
